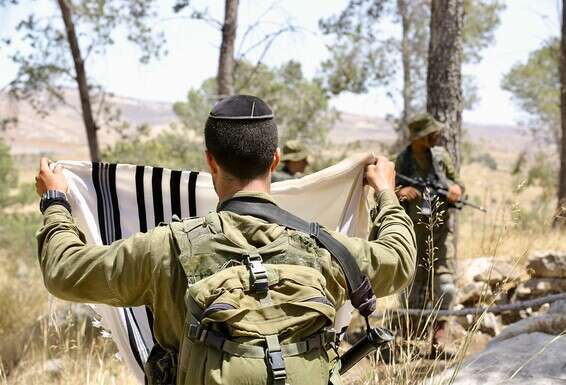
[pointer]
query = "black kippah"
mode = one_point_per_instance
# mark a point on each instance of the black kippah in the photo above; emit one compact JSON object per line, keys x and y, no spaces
{"x":241,"y":107}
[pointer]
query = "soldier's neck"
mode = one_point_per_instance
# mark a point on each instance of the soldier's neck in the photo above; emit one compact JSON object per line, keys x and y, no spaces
{"x":419,"y":149}
{"x":227,"y":188}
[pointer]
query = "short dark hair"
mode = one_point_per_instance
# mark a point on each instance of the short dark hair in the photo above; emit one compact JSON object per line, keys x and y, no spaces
{"x":243,"y":147}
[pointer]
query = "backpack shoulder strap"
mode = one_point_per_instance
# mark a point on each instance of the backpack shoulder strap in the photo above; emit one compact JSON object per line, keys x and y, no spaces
{"x":361,"y":293}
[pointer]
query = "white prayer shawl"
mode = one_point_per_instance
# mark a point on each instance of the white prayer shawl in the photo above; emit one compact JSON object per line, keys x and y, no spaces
{"x":114,"y":201}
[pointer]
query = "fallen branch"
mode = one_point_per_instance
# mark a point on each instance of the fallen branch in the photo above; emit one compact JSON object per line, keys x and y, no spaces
{"x":476,"y":310}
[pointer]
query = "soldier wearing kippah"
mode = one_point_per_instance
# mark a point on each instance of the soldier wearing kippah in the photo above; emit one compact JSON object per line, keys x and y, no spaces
{"x":236,"y":298}
{"x":295,"y":159}
{"x":422,"y":158}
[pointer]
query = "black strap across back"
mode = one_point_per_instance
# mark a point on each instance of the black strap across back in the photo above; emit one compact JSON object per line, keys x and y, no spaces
{"x":360,"y":290}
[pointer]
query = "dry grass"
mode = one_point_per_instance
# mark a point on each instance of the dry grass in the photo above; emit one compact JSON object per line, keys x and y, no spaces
{"x":45,"y":343}
{"x":518,"y":221}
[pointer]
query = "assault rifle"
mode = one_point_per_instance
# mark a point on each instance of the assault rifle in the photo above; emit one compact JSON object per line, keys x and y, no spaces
{"x":428,"y":187}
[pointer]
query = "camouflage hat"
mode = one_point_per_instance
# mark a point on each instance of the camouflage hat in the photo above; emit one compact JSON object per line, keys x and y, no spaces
{"x":423,"y":125}
{"x":294,"y":150}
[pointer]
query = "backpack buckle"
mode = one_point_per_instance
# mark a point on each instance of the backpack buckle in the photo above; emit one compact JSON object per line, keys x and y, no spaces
{"x":275,"y":361}
{"x":258,"y":272}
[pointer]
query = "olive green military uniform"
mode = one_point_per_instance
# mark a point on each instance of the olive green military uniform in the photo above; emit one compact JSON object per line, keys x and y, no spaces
{"x":293,"y":150}
{"x":145,"y":270}
{"x":441,"y":170}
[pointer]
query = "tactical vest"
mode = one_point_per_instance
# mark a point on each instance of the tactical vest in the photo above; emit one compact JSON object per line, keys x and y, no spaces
{"x":254,"y":316}
{"x":407,"y":165}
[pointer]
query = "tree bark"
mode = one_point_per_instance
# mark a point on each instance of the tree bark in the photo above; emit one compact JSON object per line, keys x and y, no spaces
{"x":560,"y":218}
{"x":226,"y":60}
{"x":403,"y":133}
{"x":82,"y":83}
{"x":444,"y":79}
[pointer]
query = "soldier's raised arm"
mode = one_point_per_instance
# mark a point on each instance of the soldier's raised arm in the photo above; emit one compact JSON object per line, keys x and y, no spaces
{"x":120,"y":274}
{"x":388,"y":258}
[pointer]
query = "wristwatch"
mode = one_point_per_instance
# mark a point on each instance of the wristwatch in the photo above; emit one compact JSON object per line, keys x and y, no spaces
{"x":53,"y":197}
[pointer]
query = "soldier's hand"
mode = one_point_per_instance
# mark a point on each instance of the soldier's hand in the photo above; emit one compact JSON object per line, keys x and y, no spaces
{"x":50,"y":180}
{"x":408,"y":193}
{"x":454,"y":193}
{"x":380,"y":174}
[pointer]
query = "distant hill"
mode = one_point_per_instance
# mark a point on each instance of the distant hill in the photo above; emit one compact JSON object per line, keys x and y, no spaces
{"x":62,"y":132}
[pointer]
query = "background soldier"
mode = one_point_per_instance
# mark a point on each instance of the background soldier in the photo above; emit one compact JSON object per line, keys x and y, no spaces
{"x":423,"y":159}
{"x":154,"y":268}
{"x":295,"y":158}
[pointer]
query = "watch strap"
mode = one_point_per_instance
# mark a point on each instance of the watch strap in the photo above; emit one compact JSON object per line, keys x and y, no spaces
{"x":51,"y":197}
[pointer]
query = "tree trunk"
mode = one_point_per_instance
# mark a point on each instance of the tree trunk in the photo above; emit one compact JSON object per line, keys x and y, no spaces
{"x":226,"y":60}
{"x":81,"y":80}
{"x":560,"y":218}
{"x":403,"y":133}
{"x":444,"y":79}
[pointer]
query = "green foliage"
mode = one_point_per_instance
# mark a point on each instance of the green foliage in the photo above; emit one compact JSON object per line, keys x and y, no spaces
{"x":481,"y":18}
{"x":538,"y":171}
{"x":301,"y":106}
{"x":17,"y":233}
{"x":362,"y":59}
{"x":8,"y":176}
{"x":542,"y":173}
{"x":535,"y":86}
{"x":171,"y":149}
{"x":486,"y":159}
{"x":25,"y":195}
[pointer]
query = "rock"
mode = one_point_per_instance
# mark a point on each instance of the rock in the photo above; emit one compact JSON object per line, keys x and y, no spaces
{"x":490,"y":324}
{"x":477,"y":342}
{"x":474,"y":293}
{"x":526,"y":359}
{"x":502,"y":271}
{"x":543,"y":286}
{"x":510,"y":317}
{"x":558,"y":307}
{"x":553,"y":324}
{"x":548,"y":264}
{"x":492,"y":270}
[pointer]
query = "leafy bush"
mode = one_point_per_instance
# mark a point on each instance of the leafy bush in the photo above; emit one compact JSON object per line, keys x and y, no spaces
{"x":172,"y":150}
{"x":17,"y":234}
{"x":487,"y":160}
{"x":8,"y":176}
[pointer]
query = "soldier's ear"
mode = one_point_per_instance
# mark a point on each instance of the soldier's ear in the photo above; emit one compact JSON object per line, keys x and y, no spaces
{"x":212,"y":165}
{"x":276,"y":160}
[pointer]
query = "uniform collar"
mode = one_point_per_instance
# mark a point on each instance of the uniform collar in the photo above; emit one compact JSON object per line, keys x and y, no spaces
{"x":250,"y":194}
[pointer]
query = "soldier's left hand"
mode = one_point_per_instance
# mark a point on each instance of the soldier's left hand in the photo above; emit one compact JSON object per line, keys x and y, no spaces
{"x":454,"y":193}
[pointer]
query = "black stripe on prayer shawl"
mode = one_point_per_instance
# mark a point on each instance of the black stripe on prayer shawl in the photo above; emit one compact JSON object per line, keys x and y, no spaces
{"x":175,"y":188}
{"x":193,"y":193}
{"x":140,"y":197}
{"x":131,"y":337}
{"x":149,"y":315}
{"x":108,"y":218}
{"x":99,"y":202}
{"x":114,"y":200}
{"x":156,"y":177}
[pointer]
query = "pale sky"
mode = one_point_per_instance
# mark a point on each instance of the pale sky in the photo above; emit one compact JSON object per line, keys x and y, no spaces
{"x":193,"y":53}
